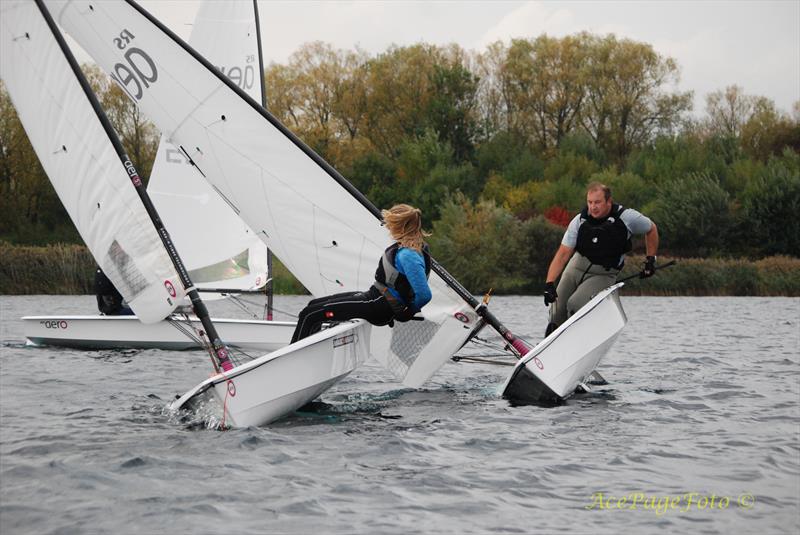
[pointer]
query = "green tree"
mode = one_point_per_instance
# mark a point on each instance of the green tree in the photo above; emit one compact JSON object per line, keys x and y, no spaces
{"x":30,"y":210}
{"x":768,"y":132}
{"x":693,"y":215}
{"x":627,"y":103}
{"x":474,"y":242}
{"x":508,"y":155}
{"x":770,"y":207}
{"x":543,"y":83}
{"x":375,"y":175}
{"x":728,"y":110}
{"x":451,"y":108}
{"x":400,"y":86}
{"x":570,"y":167}
{"x":668,"y":157}
{"x":283,"y":96}
{"x":427,"y":172}
{"x":540,"y":241}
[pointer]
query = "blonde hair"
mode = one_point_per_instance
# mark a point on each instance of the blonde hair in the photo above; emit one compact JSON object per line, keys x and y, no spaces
{"x":405,"y":225}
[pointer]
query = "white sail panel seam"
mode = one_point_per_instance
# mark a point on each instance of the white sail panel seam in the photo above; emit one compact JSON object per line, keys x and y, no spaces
{"x":190,"y":114}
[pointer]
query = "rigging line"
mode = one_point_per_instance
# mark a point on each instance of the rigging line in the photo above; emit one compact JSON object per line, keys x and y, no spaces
{"x":493,"y":356}
{"x":504,"y":347}
{"x":186,"y":326}
{"x":241,"y":306}
{"x":501,"y":350}
{"x":244,"y":354}
{"x":482,"y":342}
{"x":199,"y":341}
{"x":458,"y":358}
{"x":282,"y":311}
{"x":185,"y":331}
{"x":487,"y":344}
{"x":181,"y":325}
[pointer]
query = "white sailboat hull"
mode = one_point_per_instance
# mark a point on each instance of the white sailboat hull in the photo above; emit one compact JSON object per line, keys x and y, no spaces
{"x":551,"y":371}
{"x":127,"y":332}
{"x":272,"y":386}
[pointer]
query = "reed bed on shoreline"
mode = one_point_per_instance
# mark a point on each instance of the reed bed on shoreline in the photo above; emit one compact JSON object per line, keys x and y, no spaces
{"x":68,"y":269}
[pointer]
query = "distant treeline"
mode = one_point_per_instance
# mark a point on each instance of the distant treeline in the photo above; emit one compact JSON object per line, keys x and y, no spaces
{"x":69,"y":269}
{"x":505,"y":141}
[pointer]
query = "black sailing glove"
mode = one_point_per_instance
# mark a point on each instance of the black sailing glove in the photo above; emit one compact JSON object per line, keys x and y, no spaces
{"x":549,"y":293}
{"x":407,"y":314}
{"x":649,"y":268}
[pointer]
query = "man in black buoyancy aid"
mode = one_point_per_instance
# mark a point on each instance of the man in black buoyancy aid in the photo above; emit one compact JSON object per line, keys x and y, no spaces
{"x":109,"y":300}
{"x":599,"y":236}
{"x":401,"y":281}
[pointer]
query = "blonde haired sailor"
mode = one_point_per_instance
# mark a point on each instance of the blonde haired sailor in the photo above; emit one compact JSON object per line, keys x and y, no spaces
{"x":401,"y":286}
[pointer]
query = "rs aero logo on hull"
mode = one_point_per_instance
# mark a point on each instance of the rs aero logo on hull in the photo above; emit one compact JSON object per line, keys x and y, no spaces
{"x":54,"y":324}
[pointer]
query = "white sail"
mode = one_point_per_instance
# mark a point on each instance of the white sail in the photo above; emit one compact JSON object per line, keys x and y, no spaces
{"x":216,"y":246}
{"x":323,"y":230}
{"x":81,"y":162}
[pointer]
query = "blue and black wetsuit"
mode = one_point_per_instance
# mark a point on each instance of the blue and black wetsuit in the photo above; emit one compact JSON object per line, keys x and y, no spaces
{"x":400,"y":291}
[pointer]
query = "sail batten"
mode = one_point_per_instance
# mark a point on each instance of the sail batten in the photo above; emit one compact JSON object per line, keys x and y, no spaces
{"x":323,"y":229}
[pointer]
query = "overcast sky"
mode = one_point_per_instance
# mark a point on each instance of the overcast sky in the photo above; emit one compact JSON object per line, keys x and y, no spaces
{"x":754,"y":44}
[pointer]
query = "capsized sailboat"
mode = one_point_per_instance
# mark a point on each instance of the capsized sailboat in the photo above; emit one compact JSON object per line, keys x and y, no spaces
{"x":552,"y":371}
{"x":99,"y":186}
{"x":217,"y":247}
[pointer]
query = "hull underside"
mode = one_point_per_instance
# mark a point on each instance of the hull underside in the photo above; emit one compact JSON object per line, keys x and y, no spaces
{"x":551,"y":371}
{"x":272,"y":386}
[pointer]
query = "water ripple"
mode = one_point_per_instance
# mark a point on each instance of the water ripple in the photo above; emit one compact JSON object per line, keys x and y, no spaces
{"x":697,"y":401}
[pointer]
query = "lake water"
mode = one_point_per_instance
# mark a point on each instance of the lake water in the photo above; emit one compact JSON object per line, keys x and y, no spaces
{"x":697,"y":432}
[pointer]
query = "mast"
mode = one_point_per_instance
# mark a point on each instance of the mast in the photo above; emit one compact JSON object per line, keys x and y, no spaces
{"x":222,"y":359}
{"x":264,"y":104}
{"x":480,"y":308}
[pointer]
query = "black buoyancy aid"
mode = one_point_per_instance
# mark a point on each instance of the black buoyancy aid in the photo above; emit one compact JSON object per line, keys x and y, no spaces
{"x":387,"y":275}
{"x":109,"y":300}
{"x":604,"y":241}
